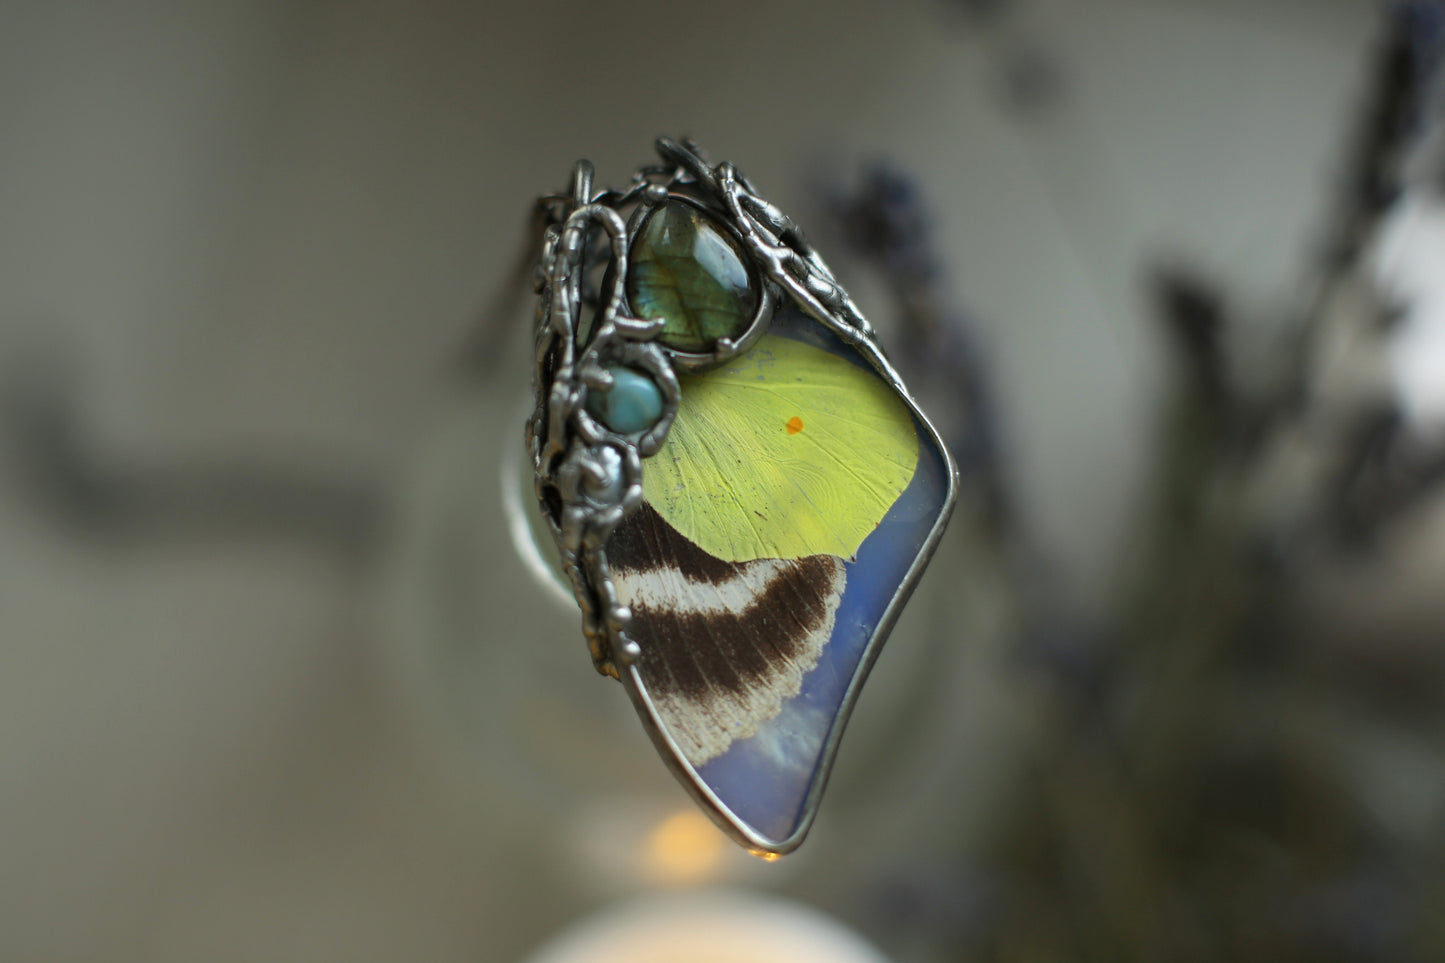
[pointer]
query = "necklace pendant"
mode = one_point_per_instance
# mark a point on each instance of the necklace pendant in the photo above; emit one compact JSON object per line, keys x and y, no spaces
{"x":742,"y":490}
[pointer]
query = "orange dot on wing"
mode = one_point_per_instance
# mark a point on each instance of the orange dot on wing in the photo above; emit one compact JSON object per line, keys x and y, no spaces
{"x":794,"y":425}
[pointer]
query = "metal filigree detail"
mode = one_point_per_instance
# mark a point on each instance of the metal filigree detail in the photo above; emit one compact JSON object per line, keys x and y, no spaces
{"x":589,"y":477}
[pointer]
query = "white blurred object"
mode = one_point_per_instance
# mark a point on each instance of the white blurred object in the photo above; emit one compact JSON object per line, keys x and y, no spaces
{"x":714,"y":927}
{"x":1410,"y":270}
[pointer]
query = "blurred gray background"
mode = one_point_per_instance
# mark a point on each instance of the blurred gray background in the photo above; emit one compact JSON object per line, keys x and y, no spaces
{"x":258,"y":233}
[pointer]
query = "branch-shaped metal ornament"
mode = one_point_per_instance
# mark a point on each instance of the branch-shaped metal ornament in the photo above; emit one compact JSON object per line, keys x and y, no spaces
{"x":741,"y":488}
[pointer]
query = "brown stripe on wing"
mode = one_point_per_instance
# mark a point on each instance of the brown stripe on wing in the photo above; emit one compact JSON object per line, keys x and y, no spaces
{"x":724,"y":644}
{"x":644,"y":541}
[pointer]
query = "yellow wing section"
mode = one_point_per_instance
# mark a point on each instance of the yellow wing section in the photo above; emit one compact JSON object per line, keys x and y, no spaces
{"x":786,"y":452}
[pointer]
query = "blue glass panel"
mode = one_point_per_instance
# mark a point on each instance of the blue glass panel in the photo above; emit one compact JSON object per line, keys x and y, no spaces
{"x":765,"y":779}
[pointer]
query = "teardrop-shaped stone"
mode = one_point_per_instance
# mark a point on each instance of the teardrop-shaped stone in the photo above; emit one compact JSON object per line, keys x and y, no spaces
{"x":688,"y":271}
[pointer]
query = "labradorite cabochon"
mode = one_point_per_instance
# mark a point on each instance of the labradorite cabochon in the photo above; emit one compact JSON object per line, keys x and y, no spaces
{"x":688,"y":270}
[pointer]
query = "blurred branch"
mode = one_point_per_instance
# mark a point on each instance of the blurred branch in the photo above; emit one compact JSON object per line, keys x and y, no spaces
{"x":79,"y":491}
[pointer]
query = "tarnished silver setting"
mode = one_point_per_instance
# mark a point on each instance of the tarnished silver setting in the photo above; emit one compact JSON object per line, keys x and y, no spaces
{"x":588,"y":478}
{"x":767,"y":298}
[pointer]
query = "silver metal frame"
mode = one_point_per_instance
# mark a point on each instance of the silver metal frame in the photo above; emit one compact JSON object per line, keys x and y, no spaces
{"x":589,"y":478}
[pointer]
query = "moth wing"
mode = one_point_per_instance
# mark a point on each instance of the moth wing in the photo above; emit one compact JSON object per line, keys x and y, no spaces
{"x":724,"y":644}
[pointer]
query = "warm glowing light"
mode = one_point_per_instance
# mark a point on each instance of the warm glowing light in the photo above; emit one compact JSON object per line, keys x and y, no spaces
{"x":707,"y":927}
{"x":685,"y":848}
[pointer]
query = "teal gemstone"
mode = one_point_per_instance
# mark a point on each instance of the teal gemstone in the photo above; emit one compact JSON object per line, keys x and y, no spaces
{"x":687,"y":270}
{"x":633,"y":404}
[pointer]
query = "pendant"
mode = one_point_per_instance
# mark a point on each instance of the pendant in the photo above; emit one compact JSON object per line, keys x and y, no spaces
{"x":742,"y":490}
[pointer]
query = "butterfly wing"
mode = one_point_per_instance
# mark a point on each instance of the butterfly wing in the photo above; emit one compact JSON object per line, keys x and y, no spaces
{"x":777,"y":468}
{"x":724,"y":644}
{"x":787,"y":452}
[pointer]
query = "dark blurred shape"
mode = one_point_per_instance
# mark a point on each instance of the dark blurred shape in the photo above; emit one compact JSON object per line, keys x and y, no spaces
{"x":1033,"y":80}
{"x":1029,"y":77}
{"x":1406,"y":69}
{"x":1193,"y":312}
{"x":1386,"y":472}
{"x":46,"y":449}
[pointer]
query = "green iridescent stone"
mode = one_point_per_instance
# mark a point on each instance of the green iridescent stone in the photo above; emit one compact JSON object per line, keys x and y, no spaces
{"x":633,"y":404}
{"x":688,"y":271}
